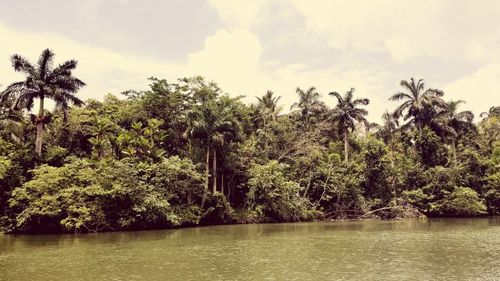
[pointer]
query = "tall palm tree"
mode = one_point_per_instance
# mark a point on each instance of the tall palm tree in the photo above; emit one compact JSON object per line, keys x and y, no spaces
{"x":389,"y":126}
{"x":308,"y":102}
{"x":450,"y":122}
{"x":346,"y":114}
{"x":493,"y":111}
{"x":418,"y":103}
{"x":43,"y":82}
{"x":215,"y":125}
{"x":268,"y":107}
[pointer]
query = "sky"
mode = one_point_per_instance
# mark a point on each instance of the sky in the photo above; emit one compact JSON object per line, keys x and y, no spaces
{"x":251,"y":46}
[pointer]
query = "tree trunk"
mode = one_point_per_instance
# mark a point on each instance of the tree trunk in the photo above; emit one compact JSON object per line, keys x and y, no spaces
{"x":222,"y":183}
{"x":214,"y":172}
{"x":207,"y":171}
{"x":346,"y":146}
{"x":39,"y":130}
{"x":391,"y":151}
{"x":65,"y":115}
{"x":454,"y":151}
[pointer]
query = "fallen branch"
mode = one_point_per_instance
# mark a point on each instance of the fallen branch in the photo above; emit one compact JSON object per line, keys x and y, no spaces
{"x":380,"y":209}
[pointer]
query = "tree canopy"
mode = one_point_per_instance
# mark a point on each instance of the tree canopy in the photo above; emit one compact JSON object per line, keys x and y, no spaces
{"x":185,"y":153}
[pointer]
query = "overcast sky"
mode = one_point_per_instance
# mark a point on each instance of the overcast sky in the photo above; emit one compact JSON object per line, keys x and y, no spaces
{"x":248,"y":47}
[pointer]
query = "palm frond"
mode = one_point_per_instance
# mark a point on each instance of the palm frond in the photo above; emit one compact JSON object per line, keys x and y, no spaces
{"x":361,"y":102}
{"x":337,"y":95}
{"x":400,"y":96}
{"x":22,"y":65}
{"x":45,"y":63}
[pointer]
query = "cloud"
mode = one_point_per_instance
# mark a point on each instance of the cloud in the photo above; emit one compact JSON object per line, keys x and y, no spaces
{"x":103,"y":70}
{"x":361,"y":44}
{"x":233,"y":59}
{"x":445,"y":29}
{"x":238,"y":13}
{"x":480,"y":90}
{"x":230,"y":58}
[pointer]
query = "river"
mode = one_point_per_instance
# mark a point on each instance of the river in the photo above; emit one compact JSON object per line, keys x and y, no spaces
{"x":433,"y":249}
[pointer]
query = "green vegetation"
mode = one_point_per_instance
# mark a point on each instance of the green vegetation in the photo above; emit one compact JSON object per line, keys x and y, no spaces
{"x":186,"y":153}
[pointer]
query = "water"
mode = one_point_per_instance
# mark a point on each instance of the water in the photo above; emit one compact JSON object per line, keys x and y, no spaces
{"x":434,"y":249}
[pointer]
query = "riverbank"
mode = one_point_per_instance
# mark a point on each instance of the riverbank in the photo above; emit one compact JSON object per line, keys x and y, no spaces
{"x":411,"y":214}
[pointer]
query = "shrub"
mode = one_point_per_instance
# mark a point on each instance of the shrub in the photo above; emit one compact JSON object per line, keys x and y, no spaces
{"x":377,"y":170}
{"x":272,"y":196}
{"x":463,"y":202}
{"x":219,"y":211}
{"x":85,"y":196}
{"x":492,"y":195}
{"x":430,"y":148}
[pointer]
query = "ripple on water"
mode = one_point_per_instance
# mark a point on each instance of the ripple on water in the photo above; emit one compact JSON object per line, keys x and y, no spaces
{"x":440,"y":249}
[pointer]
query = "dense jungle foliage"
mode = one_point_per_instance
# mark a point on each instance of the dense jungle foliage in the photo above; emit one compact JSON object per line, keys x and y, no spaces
{"x":185,"y":153}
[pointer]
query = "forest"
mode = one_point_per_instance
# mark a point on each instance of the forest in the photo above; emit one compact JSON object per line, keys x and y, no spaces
{"x":185,"y":153}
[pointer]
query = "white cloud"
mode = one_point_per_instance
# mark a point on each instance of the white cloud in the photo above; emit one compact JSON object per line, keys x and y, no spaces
{"x":103,"y":70}
{"x":230,"y":58}
{"x":233,"y":56}
{"x":233,"y":60}
{"x":238,"y":13}
{"x":446,"y":29}
{"x":480,"y":90}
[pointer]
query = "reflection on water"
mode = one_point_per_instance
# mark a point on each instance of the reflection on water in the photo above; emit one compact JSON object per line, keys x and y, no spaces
{"x":434,"y":249}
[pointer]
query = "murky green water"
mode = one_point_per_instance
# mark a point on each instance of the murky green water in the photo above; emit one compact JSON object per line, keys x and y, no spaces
{"x":436,"y":249}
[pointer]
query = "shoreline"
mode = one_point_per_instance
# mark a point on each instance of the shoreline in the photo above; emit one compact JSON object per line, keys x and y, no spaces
{"x":423,"y":218}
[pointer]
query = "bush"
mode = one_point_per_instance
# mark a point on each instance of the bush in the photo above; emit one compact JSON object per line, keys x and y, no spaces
{"x":492,"y":195}
{"x":377,"y":170}
{"x":462,"y":202}
{"x":107,"y":195}
{"x":274,"y":198}
{"x":5,"y":164}
{"x":219,"y":211}
{"x":430,"y":148}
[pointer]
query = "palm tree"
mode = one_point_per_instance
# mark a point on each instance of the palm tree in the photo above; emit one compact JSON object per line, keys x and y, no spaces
{"x":268,"y":107}
{"x":215,"y":125}
{"x":419,"y":104}
{"x":43,"y":82}
{"x":390,"y":125}
{"x":494,"y":111}
{"x":308,"y":102}
{"x":450,"y":123}
{"x":346,"y":114}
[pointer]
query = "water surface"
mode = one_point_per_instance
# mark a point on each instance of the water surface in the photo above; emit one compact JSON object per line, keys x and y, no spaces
{"x":434,"y":249}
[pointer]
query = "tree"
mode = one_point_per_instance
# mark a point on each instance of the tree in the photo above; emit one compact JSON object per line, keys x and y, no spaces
{"x":493,"y":111}
{"x":308,"y":102}
{"x":418,"y":103}
{"x":268,"y":107}
{"x":389,"y":126}
{"x":451,"y":122}
{"x":272,"y":196}
{"x":43,"y":82}
{"x":346,"y":114}
{"x":12,"y":121}
{"x":463,"y":201}
{"x":213,"y":122}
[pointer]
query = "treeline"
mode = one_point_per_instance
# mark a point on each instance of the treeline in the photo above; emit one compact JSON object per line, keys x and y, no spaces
{"x":186,"y":153}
